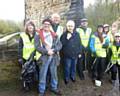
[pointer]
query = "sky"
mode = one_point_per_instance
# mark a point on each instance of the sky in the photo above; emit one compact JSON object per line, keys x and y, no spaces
{"x":87,"y":2}
{"x":14,"y":9}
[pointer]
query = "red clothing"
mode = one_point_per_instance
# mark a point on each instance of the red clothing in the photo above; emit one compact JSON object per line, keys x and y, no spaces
{"x":40,"y":31}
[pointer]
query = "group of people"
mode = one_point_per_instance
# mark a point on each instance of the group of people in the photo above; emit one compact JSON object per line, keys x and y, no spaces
{"x":76,"y":48}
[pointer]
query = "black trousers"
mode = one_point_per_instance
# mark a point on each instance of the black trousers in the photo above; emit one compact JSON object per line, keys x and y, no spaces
{"x":84,"y":62}
{"x":81,"y":66}
{"x":114,"y":70}
{"x":98,"y":68}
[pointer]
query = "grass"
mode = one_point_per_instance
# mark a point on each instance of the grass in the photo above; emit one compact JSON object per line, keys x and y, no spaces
{"x":9,"y":75}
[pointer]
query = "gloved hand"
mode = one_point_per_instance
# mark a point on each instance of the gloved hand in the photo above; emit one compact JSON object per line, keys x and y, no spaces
{"x":80,"y":55}
{"x":20,"y":61}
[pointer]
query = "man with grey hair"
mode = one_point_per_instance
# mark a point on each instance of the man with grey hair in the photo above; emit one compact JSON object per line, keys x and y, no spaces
{"x":56,"y":27}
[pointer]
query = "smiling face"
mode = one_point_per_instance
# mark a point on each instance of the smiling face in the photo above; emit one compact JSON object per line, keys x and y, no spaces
{"x":106,"y":29}
{"x":100,"y":29}
{"x":70,"y":28}
{"x":55,"y":18}
{"x":117,"y":39}
{"x":70,"y":25}
{"x":84,"y":24}
{"x":46,"y":26}
{"x":30,"y":27}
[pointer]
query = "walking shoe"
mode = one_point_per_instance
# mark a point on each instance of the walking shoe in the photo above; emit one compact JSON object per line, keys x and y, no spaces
{"x":57,"y":92}
{"x":66,"y":81}
{"x":73,"y":80}
{"x":41,"y":94}
{"x":82,"y":78}
{"x":113,"y":82}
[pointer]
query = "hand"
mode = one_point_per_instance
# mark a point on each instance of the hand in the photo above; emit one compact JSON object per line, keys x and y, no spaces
{"x":47,"y":47}
{"x":20,"y":61}
{"x":79,"y":56}
{"x":69,"y":35}
{"x":50,"y":52}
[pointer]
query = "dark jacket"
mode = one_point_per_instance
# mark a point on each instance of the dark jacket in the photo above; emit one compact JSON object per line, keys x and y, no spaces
{"x":72,"y":47}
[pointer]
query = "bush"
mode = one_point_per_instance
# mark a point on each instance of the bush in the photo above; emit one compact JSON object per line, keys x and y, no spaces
{"x":10,"y":26}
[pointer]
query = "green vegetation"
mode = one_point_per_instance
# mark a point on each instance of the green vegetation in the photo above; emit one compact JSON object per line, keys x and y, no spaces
{"x":103,"y":11}
{"x":10,"y":26}
{"x":10,"y":74}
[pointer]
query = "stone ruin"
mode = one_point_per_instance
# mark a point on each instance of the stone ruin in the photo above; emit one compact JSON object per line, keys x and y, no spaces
{"x":37,"y":10}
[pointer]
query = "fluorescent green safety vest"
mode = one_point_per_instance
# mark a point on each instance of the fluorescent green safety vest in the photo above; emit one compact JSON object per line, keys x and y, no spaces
{"x":84,"y":36}
{"x":100,"y":52}
{"x":37,"y":55}
{"x":28,"y":46}
{"x":115,"y":55}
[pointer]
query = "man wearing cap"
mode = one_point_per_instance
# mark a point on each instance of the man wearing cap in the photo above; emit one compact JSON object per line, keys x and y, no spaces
{"x":83,"y":59}
{"x":115,"y":59}
{"x":48,"y":44}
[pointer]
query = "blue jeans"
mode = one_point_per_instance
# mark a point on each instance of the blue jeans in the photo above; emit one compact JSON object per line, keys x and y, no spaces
{"x":70,"y":68}
{"x":43,"y":75}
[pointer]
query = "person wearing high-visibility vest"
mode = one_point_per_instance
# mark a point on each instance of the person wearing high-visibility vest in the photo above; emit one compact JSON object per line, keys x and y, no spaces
{"x":108,"y":34}
{"x":115,"y":59}
{"x":98,"y":45}
{"x":49,"y":48}
{"x":25,"y":49}
{"x":83,"y":60}
{"x":56,"y":27}
{"x":107,"y":31}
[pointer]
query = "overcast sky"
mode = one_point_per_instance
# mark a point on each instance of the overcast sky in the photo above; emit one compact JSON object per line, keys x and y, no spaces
{"x":14,"y":9}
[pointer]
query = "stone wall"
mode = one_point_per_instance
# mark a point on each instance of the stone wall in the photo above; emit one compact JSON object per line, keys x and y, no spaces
{"x":40,"y":9}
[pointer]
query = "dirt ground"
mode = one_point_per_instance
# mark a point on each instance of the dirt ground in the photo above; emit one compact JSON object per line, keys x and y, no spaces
{"x":12,"y":86}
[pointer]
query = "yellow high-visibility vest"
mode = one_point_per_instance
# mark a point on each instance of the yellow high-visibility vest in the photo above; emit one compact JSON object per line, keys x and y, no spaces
{"x":28,"y":46}
{"x":84,"y":36}
{"x":100,"y":51}
{"x":115,"y":55}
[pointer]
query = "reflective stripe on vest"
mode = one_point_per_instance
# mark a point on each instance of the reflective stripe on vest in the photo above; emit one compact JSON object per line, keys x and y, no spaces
{"x":115,"y":55}
{"x":84,"y":36}
{"x":100,"y":52}
{"x":28,"y":46}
